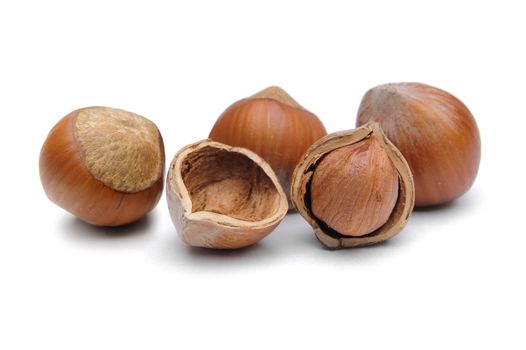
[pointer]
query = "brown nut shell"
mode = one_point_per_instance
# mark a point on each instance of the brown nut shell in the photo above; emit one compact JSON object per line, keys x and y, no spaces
{"x":103,"y":165}
{"x":303,"y":177}
{"x":223,"y":197}
{"x":272,"y":124}
{"x":436,"y":133}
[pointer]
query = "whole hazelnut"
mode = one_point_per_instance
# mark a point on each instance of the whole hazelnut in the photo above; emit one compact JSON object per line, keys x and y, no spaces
{"x":103,"y":165}
{"x":354,"y":188}
{"x":223,"y":197}
{"x":435,"y":132}
{"x":272,"y":124}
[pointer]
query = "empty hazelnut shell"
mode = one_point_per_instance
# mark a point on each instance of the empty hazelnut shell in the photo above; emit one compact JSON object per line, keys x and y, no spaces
{"x":224,"y":197}
{"x":103,"y":165}
{"x":354,"y":188}
{"x":272,"y":124}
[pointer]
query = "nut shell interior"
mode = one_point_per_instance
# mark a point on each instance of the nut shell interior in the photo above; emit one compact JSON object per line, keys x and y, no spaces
{"x":223,"y":197}
{"x":229,"y":183}
{"x":302,"y":179}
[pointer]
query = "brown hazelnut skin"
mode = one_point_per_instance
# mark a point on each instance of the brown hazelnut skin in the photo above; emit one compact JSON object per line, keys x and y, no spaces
{"x":366,"y":176}
{"x":273,"y":125}
{"x":354,"y":188}
{"x":435,"y":132}
{"x":72,"y":185}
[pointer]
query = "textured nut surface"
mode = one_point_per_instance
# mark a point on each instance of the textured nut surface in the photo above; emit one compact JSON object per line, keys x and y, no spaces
{"x":119,"y":148}
{"x":302,"y":188}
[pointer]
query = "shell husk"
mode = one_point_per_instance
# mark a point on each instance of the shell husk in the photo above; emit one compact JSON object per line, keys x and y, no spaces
{"x":210,"y":229}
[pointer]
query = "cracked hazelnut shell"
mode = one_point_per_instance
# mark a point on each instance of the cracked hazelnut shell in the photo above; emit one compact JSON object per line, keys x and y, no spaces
{"x":354,"y":188}
{"x":103,"y":165}
{"x":435,"y":132}
{"x":223,"y":197}
{"x":273,"y":125}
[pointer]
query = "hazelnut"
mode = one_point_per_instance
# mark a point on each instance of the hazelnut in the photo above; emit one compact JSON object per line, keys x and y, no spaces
{"x":103,"y":165}
{"x":221,"y":196}
{"x":354,"y":188}
{"x":435,"y":132}
{"x":272,"y":124}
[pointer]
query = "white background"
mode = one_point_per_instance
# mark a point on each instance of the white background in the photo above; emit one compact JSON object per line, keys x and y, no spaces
{"x":454,"y":278}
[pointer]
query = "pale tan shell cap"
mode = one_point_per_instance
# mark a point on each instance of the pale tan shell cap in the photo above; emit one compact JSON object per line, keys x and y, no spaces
{"x":119,"y":148}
